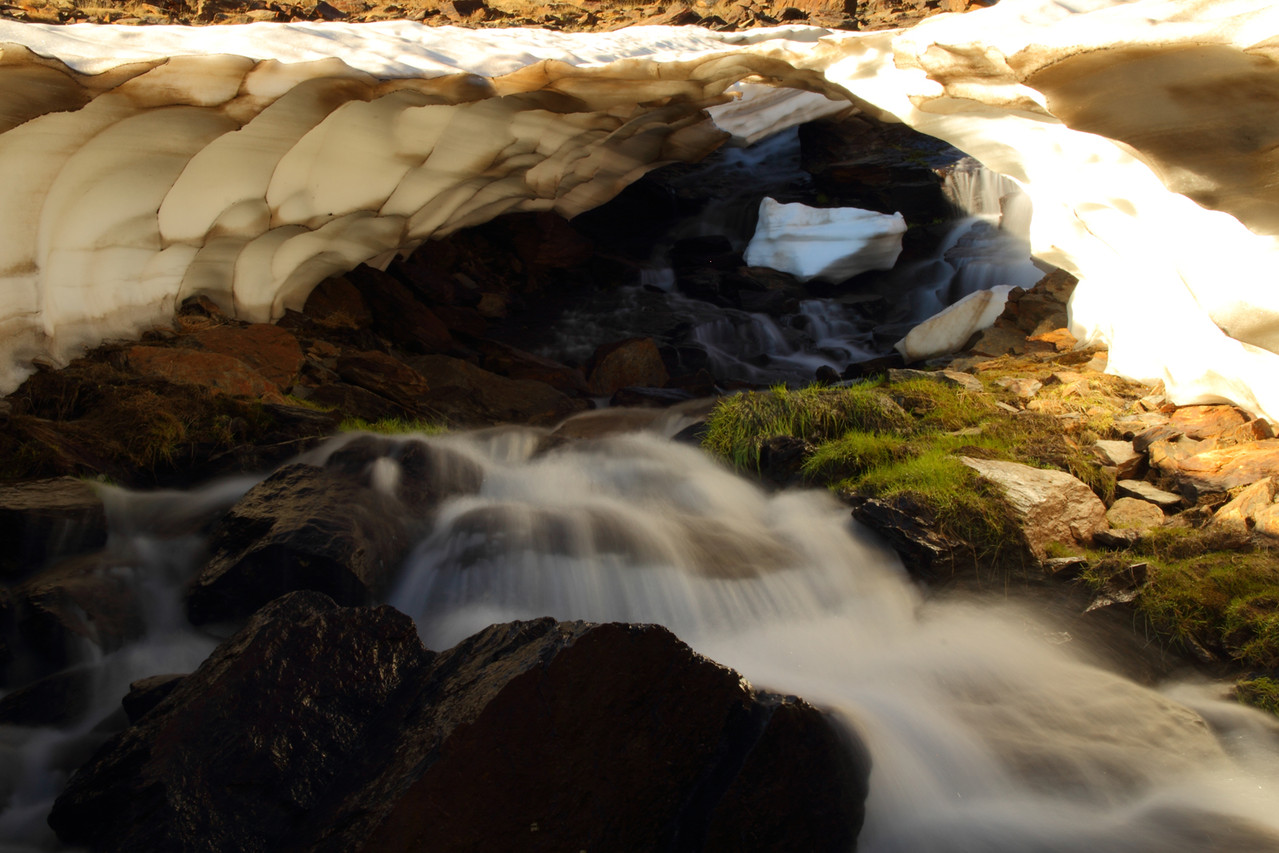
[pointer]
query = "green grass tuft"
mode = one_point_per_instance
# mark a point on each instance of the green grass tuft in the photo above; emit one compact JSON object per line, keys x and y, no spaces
{"x":393,"y":426}
{"x":1262,"y":692}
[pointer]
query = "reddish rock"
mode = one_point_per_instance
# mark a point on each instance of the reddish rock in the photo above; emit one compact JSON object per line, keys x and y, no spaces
{"x":1225,"y":468}
{"x":634,"y":361}
{"x":385,"y":376}
{"x":1241,"y":513}
{"x":211,"y":369}
{"x":1254,"y":430}
{"x":1201,"y":422}
{"x":266,"y":348}
{"x":1020,"y":386}
{"x":337,"y":303}
{"x":466,"y":394}
{"x":1058,"y":340}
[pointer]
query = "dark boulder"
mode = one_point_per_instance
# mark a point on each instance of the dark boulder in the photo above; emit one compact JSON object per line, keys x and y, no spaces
{"x":43,"y":520}
{"x":325,"y":728}
{"x":302,"y":528}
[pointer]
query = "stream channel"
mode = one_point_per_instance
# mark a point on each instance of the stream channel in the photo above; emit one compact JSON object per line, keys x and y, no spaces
{"x":990,"y":729}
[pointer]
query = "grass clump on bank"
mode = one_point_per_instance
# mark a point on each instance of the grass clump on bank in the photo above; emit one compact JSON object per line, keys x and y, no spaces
{"x":393,"y":426}
{"x":899,"y":442}
{"x":1261,"y":692}
{"x":1205,"y":588}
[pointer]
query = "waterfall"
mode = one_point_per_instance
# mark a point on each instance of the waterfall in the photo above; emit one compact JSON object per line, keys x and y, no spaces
{"x":987,"y":731}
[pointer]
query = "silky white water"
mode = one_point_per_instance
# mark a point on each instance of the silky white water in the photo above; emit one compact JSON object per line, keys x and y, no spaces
{"x":987,"y":733}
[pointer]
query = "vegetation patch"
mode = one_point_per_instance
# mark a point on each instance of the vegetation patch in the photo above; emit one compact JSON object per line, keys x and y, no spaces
{"x":1262,"y":692}
{"x":1204,"y":588}
{"x":899,"y":442}
{"x":393,"y":426}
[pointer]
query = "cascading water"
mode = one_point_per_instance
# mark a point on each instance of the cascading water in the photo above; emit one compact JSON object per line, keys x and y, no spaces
{"x":986,"y":734}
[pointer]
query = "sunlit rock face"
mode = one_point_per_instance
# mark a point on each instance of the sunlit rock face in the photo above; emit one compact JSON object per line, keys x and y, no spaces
{"x":247,"y":163}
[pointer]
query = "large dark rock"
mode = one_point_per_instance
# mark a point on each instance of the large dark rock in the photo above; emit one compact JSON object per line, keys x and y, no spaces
{"x":87,"y":601}
{"x":43,"y":520}
{"x":469,"y":395}
{"x":323,"y":728}
{"x":340,"y":529}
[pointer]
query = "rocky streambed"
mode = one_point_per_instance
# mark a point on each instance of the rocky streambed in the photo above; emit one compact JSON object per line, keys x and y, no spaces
{"x":210,"y":524}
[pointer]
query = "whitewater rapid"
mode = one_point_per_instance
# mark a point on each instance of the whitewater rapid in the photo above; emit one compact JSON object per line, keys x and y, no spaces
{"x":988,"y":731}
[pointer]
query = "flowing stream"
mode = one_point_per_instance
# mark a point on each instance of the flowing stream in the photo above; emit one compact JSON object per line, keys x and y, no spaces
{"x":986,"y":731}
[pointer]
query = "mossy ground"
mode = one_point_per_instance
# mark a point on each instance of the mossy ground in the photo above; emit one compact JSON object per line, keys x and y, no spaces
{"x":393,"y":426}
{"x":900,"y":442}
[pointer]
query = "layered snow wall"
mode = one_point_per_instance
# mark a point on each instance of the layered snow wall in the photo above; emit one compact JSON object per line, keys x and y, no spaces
{"x":143,"y":165}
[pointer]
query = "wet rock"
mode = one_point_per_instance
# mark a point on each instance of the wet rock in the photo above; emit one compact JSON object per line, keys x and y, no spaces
{"x":1120,"y":455}
{"x":86,"y":602}
{"x":145,"y":693}
{"x":657,"y":398}
{"x":1142,"y":490}
{"x":226,"y":373}
{"x":44,"y":520}
{"x":248,"y":744}
{"x":266,"y":348}
{"x":781,"y":459}
{"x":326,"y":728}
{"x":385,"y":376}
{"x":1134,"y":514}
{"x":301,"y":528}
{"x":1052,"y":506}
{"x":424,"y":474}
{"x":465,"y":394}
{"x":912,"y":531}
{"x":632,"y":362}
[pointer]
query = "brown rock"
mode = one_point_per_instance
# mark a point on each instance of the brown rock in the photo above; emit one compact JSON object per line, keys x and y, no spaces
{"x":1142,"y":490}
{"x":301,"y":528}
{"x":337,"y":303}
{"x":634,"y":361}
{"x":466,"y":394}
{"x":1201,"y":422}
{"x":1242,"y":511}
{"x":88,"y":599}
{"x":1121,"y":456}
{"x":997,"y":340}
{"x":210,"y":369}
{"x":385,"y":376}
{"x":268,"y":349}
{"x":1020,"y":386}
{"x":1058,"y":340}
{"x":1257,"y":429}
{"x":513,"y":363}
{"x":1225,"y":468}
{"x":398,"y":314}
{"x":1134,"y":514}
{"x":1052,"y":506}
{"x":1267,"y":521}
{"x":145,"y":693}
{"x":352,"y":401}
{"x":43,"y":520}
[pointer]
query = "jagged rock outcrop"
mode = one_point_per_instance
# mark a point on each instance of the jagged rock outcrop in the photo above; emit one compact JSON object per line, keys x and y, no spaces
{"x":318,"y":727}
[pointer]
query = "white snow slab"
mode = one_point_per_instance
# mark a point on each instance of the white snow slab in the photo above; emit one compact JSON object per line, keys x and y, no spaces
{"x":830,"y":243}
{"x":949,"y":329}
{"x":286,"y":153}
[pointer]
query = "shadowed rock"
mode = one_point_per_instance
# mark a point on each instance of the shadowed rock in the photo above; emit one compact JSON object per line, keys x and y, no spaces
{"x":325,"y":728}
